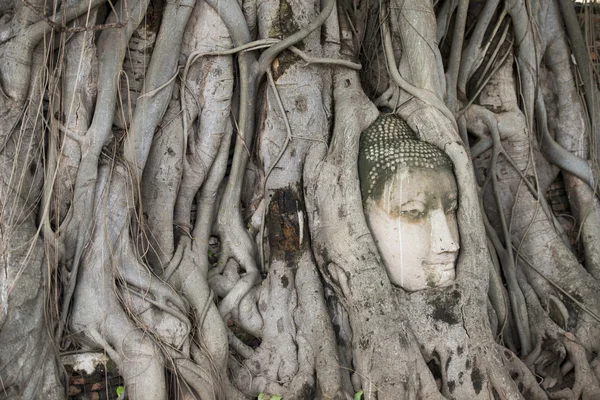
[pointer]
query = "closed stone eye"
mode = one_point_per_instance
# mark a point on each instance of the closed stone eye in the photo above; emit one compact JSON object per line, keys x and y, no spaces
{"x":413,"y":213}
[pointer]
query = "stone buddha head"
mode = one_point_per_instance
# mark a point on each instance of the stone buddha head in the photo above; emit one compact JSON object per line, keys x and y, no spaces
{"x":410,"y":200}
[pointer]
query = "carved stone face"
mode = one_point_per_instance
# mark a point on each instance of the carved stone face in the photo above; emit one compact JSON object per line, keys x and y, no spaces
{"x":414,"y":225}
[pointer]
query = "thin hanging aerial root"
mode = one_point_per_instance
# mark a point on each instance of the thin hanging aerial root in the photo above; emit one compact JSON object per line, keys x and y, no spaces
{"x":508,"y":267}
{"x":485,"y":81}
{"x":498,"y":297}
{"x":324,"y":61}
{"x":98,"y":338}
{"x":50,"y":173}
{"x":267,"y":43}
{"x":558,"y":287}
{"x":163,"y":306}
{"x":69,"y":290}
{"x":505,"y":253}
{"x":159,"y":296}
{"x":425,"y":96}
{"x":204,"y":311}
{"x":288,"y":138}
{"x":135,"y":275}
{"x":140,"y":282}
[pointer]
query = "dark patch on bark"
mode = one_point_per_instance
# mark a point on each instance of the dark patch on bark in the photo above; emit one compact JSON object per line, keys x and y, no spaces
{"x":154,"y":14}
{"x":351,"y":231}
{"x":405,"y":387}
{"x":284,"y":225}
{"x":301,"y":105}
{"x":363,"y":343}
{"x":287,"y":22}
{"x":324,"y":253}
{"x":171,"y":152}
{"x":459,"y":350}
{"x":444,"y":306}
{"x":285,"y":281}
{"x":573,"y":308}
{"x":477,"y":379}
{"x":382,"y":310}
{"x":217,"y":71}
{"x":495,"y":393}
{"x":336,"y":330}
{"x":307,"y":391}
{"x":468,"y":364}
{"x":435,"y":369}
{"x":245,"y":337}
{"x":448,"y":360}
{"x":262,"y":306}
{"x":285,"y":26}
{"x":451,"y":386}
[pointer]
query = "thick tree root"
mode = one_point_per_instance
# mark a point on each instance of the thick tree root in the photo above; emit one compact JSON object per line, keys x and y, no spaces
{"x":187,"y":272}
{"x":213,"y":91}
{"x":97,"y":314}
{"x":29,"y":366}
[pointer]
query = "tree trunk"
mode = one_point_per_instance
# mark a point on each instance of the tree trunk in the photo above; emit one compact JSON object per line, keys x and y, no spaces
{"x":181,"y":191}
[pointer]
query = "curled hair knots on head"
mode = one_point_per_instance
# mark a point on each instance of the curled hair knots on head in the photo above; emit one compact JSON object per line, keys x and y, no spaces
{"x":389,"y":145}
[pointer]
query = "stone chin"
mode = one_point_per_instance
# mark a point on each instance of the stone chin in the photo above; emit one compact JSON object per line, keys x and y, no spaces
{"x":440,"y":276}
{"x":432,"y":277}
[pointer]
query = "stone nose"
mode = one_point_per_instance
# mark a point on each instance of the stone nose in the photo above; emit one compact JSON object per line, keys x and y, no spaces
{"x":443,"y":236}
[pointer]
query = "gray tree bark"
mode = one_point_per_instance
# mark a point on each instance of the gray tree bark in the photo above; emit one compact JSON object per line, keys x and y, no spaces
{"x":180,"y":190}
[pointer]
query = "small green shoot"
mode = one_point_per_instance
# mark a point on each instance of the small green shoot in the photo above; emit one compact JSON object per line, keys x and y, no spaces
{"x":120,"y":390}
{"x":262,"y":396}
{"x":358,"y":395}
